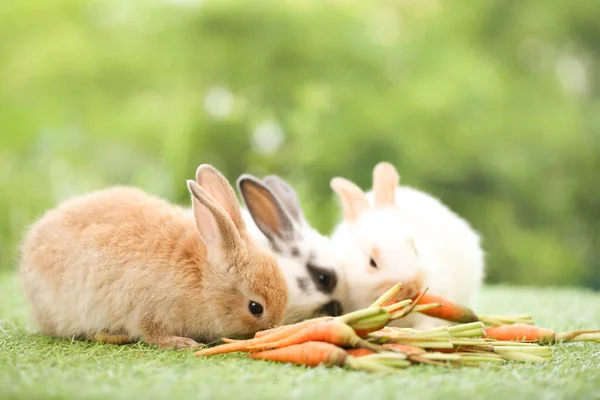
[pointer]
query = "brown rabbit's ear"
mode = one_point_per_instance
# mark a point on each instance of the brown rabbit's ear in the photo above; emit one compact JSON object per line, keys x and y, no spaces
{"x":215,"y":228}
{"x":385,"y":180}
{"x":354,"y":201}
{"x":267,"y":211}
{"x":211,"y":180}
{"x":288,"y":197}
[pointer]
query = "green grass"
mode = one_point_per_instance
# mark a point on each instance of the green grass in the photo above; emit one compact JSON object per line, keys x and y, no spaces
{"x":38,"y":367}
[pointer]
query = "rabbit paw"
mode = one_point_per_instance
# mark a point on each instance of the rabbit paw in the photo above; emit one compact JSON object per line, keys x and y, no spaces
{"x":173,"y":342}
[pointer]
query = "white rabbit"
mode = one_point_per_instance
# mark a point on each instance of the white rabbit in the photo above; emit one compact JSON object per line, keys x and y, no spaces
{"x":118,"y":265}
{"x":316,"y":285}
{"x":397,"y":233}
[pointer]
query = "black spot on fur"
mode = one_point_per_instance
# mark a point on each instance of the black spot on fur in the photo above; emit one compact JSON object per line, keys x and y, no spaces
{"x":303,"y":284}
{"x":274,"y":248}
{"x":325,"y":279}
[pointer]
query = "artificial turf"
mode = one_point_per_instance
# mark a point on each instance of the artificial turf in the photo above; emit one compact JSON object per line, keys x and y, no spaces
{"x":38,"y":367}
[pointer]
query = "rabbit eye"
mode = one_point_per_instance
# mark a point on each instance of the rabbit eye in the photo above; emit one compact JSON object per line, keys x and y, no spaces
{"x":372,"y":263}
{"x":255,"y":308}
{"x":325,"y":279}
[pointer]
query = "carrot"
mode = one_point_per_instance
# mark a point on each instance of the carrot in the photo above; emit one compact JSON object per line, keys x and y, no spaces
{"x":313,"y":354}
{"x":364,"y":321}
{"x":301,"y":324}
{"x":308,"y":353}
{"x":404,"y":348}
{"x":449,"y":310}
{"x":231,"y":346}
{"x":530,"y":333}
{"x":401,"y":348}
{"x":360,"y":352}
{"x":333,"y":332}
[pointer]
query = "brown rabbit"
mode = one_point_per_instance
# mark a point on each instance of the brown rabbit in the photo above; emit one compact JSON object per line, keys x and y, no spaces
{"x":120,"y":265}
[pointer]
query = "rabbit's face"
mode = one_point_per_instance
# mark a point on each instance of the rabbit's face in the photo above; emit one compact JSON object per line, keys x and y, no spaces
{"x":242,"y":280}
{"x":378,"y":254}
{"x":252,"y":295}
{"x":306,"y":258}
{"x":377,"y":250}
{"x":315,"y":280}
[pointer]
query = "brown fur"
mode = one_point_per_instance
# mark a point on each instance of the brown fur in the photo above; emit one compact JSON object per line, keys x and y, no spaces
{"x":119,"y":263}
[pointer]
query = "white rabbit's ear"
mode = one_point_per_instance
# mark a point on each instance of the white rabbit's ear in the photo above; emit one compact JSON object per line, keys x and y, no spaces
{"x":267,"y":211}
{"x":354,"y":201}
{"x":217,"y":186}
{"x":214,"y":226}
{"x":288,"y":197}
{"x":385,"y":180}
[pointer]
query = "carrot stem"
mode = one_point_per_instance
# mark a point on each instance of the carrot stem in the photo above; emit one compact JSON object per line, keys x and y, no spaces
{"x":498,"y":320}
{"x":387,"y":296}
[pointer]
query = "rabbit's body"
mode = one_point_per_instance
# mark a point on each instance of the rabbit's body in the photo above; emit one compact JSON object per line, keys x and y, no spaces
{"x":397,"y":233}
{"x":451,"y":248}
{"x":124,"y":263}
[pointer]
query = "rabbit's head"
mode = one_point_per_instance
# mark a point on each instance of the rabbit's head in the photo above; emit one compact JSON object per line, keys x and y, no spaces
{"x":307,"y":258}
{"x":377,"y":248}
{"x":245,"y":282}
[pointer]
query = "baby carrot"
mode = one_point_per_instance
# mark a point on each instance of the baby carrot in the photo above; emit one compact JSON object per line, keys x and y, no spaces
{"x":313,"y":354}
{"x":231,"y":346}
{"x":360,"y":352}
{"x":309,"y":353}
{"x":333,"y":332}
{"x":449,"y":310}
{"x":301,"y":324}
{"x":363,"y":321}
{"x":401,"y":348}
{"x":404,"y":348}
{"x":530,"y":333}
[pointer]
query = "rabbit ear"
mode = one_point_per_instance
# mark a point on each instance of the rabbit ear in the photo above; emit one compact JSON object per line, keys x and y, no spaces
{"x":211,"y":180}
{"x":267,"y":211}
{"x":354,"y":201}
{"x":214,"y":226}
{"x":288,"y":197}
{"x":385,"y":180}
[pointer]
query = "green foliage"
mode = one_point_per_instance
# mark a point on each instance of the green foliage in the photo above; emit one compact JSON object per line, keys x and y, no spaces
{"x":491,"y":106}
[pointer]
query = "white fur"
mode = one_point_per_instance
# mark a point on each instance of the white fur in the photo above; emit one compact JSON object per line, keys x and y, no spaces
{"x":303,"y":305}
{"x":449,"y":253}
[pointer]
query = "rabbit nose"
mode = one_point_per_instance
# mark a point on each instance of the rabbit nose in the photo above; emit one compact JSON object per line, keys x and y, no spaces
{"x":333,"y":309}
{"x":409,"y":290}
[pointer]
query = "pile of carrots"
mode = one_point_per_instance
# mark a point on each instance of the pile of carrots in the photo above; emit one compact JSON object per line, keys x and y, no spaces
{"x":362,"y":340}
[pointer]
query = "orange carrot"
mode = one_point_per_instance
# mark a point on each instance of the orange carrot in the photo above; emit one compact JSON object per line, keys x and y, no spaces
{"x":449,"y":310}
{"x":333,"y":332}
{"x":404,"y":348}
{"x":530,"y":333}
{"x":308,"y":353}
{"x":520,"y":332}
{"x":231,"y":346}
{"x":318,"y":353}
{"x":360,"y":352}
{"x":363,"y":321}
{"x":301,"y":324}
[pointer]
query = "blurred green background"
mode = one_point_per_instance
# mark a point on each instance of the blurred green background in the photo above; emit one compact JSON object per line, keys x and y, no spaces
{"x":492,"y":106}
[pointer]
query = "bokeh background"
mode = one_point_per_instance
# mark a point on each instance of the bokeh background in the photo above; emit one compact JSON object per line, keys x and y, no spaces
{"x":494,"y":107}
